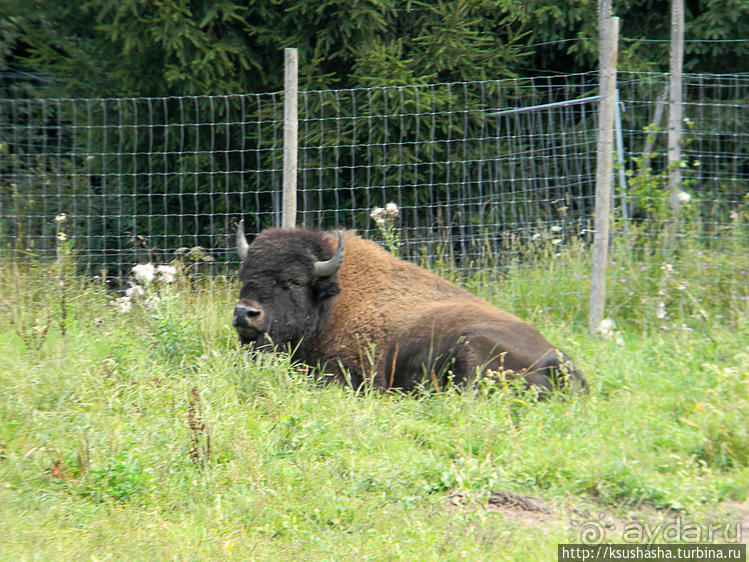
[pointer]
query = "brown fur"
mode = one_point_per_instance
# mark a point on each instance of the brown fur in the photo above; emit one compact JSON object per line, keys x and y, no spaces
{"x":418,"y":323}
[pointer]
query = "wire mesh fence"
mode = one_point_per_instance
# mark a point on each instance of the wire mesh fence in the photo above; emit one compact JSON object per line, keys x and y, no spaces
{"x":697,"y":258}
{"x":488,"y":176}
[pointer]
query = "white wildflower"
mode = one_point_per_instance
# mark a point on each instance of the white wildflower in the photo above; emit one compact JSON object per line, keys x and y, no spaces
{"x":619,"y":340}
{"x":134,"y":292}
{"x":144,"y":272}
{"x":683,"y":197}
{"x":555,"y":228}
{"x":385,"y":220}
{"x":696,"y":163}
{"x":167,"y":273}
{"x":606,"y":327}
{"x":62,"y":217}
{"x":151,"y":302}
{"x":667,"y":267}
{"x":124,"y":304}
{"x":536,"y":236}
{"x":556,"y":241}
{"x":660,"y":310}
{"x":391,"y":210}
{"x":61,"y":236}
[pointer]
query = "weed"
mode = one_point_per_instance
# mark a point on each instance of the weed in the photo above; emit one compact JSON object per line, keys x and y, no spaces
{"x":385,"y":220}
{"x":64,"y":262}
{"x":121,"y":479}
{"x":722,"y":413}
{"x":200,"y":439}
{"x":32,"y":329}
{"x":174,"y":333}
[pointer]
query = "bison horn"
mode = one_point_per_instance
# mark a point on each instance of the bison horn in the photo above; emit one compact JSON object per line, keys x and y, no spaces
{"x":329,"y":267}
{"x":242,"y":245}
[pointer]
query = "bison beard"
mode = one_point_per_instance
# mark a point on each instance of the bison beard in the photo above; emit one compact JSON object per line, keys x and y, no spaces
{"x":372,"y":316}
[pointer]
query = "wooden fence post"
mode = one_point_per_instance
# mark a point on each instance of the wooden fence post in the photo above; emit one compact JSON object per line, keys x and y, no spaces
{"x":675,"y":64}
{"x":290,"y":137}
{"x":604,"y":166}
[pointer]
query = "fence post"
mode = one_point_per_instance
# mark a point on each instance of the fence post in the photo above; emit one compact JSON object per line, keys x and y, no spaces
{"x":290,"y":137}
{"x":675,"y":64}
{"x":604,"y":167}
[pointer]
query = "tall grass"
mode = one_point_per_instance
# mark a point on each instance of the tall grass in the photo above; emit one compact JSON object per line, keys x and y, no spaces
{"x":149,"y":434}
{"x":661,"y":276}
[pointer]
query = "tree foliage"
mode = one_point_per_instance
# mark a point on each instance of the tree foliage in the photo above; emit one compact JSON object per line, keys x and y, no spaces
{"x":706,"y":21}
{"x":182,"y":47}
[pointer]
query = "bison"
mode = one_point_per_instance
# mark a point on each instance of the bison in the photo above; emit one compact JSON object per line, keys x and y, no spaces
{"x":341,"y":303}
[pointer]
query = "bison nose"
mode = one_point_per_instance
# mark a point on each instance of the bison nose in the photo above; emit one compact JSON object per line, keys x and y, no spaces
{"x":245,"y":315}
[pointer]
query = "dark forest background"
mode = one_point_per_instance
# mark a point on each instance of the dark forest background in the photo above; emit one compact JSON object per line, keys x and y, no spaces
{"x":116,"y":48}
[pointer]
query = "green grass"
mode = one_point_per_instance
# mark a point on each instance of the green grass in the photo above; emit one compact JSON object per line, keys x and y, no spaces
{"x":149,"y":435}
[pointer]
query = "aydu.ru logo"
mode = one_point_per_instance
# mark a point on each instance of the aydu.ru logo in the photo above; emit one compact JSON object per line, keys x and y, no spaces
{"x":591,"y":530}
{"x":595,"y":530}
{"x":680,"y":531}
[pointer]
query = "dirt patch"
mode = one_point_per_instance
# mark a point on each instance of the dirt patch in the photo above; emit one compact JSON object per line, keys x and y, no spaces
{"x":727,"y":523}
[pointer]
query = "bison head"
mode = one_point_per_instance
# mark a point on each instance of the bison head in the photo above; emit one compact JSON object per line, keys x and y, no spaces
{"x":288,"y":280}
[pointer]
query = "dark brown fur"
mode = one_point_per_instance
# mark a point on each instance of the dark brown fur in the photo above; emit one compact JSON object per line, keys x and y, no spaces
{"x":385,"y":319}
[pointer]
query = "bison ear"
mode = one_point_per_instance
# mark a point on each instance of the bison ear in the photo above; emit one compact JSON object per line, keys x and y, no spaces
{"x":324,"y":288}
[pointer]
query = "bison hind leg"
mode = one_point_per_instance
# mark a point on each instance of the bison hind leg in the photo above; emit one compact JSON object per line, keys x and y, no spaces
{"x":483,"y":357}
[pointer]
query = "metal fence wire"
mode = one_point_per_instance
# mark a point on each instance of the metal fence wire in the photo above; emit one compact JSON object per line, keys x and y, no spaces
{"x":484,"y":174}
